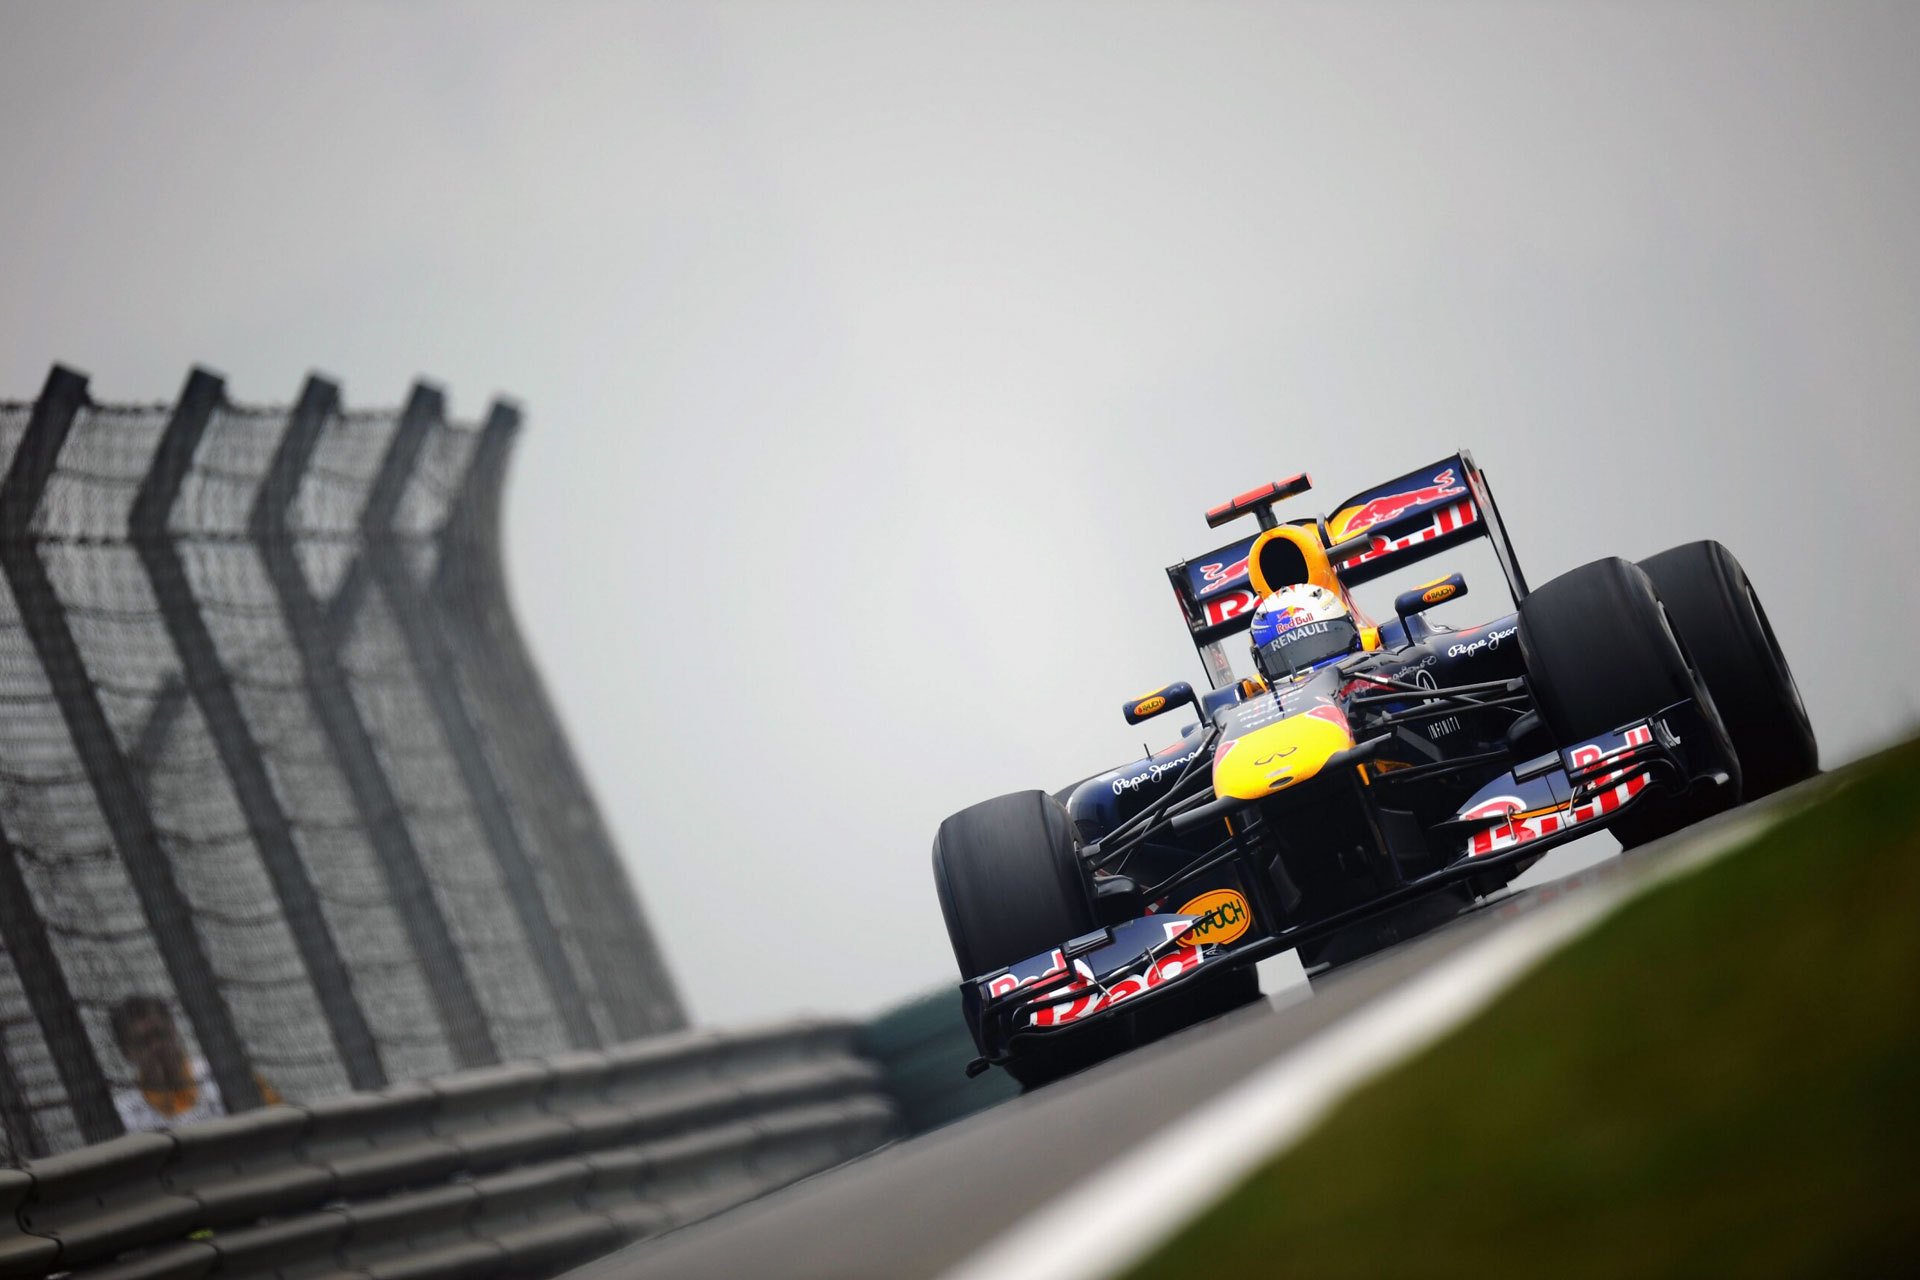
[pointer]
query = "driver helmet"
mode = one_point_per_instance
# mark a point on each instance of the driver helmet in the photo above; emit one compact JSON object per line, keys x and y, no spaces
{"x":1300,"y":627}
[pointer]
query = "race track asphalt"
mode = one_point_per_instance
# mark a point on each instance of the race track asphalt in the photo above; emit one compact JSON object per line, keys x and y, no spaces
{"x":915,"y":1208}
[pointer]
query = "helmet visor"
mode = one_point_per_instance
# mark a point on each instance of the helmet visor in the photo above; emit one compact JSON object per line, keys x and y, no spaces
{"x":1298,"y":648}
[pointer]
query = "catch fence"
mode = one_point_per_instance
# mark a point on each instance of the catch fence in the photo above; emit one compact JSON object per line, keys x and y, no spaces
{"x":274,"y":761}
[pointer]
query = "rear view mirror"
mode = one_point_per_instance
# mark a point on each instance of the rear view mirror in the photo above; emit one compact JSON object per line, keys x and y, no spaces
{"x":1146,"y":707}
{"x":1429,"y":594}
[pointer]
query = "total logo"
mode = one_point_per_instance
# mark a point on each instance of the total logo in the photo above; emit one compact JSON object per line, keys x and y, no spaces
{"x":1221,"y":917}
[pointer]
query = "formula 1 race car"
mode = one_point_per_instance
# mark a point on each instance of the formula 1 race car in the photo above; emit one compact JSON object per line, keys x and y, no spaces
{"x":1369,"y":780}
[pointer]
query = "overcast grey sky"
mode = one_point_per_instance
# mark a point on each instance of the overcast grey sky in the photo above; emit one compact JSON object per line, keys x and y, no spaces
{"x":878,"y":356}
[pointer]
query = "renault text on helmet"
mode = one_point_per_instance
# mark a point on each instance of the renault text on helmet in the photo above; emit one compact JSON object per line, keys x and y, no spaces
{"x":1300,"y":627}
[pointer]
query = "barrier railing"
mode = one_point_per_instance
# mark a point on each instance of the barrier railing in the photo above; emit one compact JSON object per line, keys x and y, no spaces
{"x":923,"y":1048}
{"x":517,"y":1170}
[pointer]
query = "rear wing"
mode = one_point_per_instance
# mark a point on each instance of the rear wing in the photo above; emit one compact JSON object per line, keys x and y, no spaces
{"x":1371,"y":534}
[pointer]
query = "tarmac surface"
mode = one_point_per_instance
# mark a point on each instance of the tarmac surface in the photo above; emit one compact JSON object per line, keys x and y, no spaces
{"x":918,"y":1207}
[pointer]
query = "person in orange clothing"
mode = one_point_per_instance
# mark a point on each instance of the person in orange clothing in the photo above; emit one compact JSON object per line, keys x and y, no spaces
{"x":172,"y":1087}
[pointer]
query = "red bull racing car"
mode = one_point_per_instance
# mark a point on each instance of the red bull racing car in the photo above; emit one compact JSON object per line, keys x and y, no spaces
{"x":1369,"y":779}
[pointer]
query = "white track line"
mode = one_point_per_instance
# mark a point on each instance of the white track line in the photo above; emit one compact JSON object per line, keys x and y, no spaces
{"x":1101,"y":1225}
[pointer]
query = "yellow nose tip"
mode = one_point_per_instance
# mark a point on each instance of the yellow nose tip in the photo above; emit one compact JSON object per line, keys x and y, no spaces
{"x":1244,"y":768}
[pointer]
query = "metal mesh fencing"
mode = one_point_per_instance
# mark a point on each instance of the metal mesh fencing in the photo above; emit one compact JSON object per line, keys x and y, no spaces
{"x":516,"y":726}
{"x":275,"y":770}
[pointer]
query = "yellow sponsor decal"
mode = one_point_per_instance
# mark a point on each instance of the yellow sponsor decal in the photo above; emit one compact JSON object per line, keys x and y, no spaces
{"x":1223,"y":917}
{"x":1434,"y":595}
{"x":1279,"y":755}
{"x":1147,"y":706}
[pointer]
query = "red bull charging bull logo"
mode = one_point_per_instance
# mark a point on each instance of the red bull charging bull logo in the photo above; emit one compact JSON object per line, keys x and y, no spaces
{"x":1375,"y":511}
{"x":1218,"y":575}
{"x":1449,"y":519}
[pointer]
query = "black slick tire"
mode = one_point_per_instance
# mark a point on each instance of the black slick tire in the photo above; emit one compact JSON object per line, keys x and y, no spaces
{"x":1720,"y":619}
{"x":1010,"y":885}
{"x":1601,"y":652}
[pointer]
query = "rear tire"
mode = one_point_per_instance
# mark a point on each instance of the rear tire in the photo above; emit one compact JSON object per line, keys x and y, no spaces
{"x":1008,"y":874}
{"x":1601,"y":652}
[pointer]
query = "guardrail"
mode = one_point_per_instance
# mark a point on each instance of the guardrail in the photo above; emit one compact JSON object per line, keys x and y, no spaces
{"x":518,"y":1170}
{"x":923,"y":1047}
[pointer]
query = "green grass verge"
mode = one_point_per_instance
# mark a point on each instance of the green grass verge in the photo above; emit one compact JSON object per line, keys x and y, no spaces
{"x":1721,"y":1079}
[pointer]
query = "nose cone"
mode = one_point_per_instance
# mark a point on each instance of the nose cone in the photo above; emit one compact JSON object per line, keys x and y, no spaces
{"x":1279,"y":755}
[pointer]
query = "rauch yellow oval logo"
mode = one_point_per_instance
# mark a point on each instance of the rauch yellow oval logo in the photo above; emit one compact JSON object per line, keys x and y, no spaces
{"x":1223,"y":917}
{"x":1147,"y":706}
{"x":1437,"y":594}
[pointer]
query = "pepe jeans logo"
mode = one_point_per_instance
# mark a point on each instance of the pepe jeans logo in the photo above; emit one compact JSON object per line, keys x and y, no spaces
{"x":1152,"y":773}
{"x":1489,"y":642}
{"x":1222,"y":917}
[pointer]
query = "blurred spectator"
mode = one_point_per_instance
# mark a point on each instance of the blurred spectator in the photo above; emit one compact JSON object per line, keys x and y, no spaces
{"x":172,"y":1088}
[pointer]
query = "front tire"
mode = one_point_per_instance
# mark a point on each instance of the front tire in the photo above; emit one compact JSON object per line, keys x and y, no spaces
{"x":1719,"y":617}
{"x":1601,"y":652}
{"x":1008,"y":874}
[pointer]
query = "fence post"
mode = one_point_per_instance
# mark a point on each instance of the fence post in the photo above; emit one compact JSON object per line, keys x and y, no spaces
{"x":469,"y":594}
{"x":352,"y":744}
{"x":207,"y":681}
{"x":433,"y":665}
{"x":24,"y":934}
{"x":108,"y":771}
{"x":22,"y":1131}
{"x":168,"y":703}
